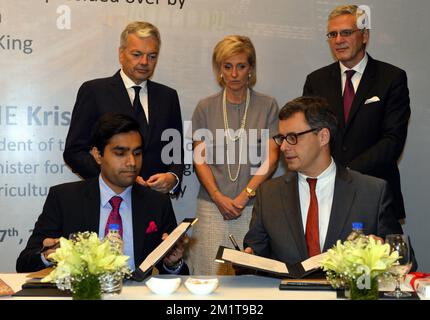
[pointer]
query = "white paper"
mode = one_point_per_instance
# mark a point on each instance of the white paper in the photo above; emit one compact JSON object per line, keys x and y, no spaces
{"x":423,"y":288}
{"x":313,"y":262}
{"x":164,"y":246}
{"x":254,"y":261}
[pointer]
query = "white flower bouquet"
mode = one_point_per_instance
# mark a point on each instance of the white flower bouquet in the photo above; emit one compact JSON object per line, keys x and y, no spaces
{"x":84,"y":263}
{"x":359,"y":263}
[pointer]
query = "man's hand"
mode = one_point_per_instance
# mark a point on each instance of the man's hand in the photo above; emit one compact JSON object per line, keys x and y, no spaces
{"x":176,"y":253}
{"x":376,"y":238}
{"x":163,"y":182}
{"x":141,"y":181}
{"x":49,"y":246}
{"x":248,"y":250}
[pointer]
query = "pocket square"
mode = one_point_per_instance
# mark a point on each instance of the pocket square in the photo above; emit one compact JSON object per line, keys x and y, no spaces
{"x":152,"y":227}
{"x":373,"y":99}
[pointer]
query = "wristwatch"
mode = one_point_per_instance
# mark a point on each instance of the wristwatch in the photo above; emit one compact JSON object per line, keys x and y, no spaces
{"x":250,"y":192}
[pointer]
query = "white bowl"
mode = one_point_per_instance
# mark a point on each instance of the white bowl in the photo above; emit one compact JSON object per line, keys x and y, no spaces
{"x":163,"y":285}
{"x":201,"y":286}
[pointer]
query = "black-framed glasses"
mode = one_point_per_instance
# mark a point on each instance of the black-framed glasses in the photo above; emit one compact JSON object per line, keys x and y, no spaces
{"x":291,"y":137}
{"x":343,"y":33}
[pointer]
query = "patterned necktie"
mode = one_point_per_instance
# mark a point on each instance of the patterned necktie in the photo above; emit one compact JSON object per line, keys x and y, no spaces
{"x":138,"y":110}
{"x":312,"y":225}
{"x":348,"y":94}
{"x":114,"y":217}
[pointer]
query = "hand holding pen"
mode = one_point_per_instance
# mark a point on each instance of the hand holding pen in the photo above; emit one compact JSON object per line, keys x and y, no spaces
{"x":236,"y":246}
{"x":233,"y":240}
{"x":237,"y":269}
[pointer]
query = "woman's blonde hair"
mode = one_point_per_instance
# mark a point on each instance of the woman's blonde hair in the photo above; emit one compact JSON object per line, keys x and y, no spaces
{"x":230,"y":46}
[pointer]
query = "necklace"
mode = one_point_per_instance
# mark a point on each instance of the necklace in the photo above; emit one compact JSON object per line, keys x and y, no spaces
{"x":242,"y":123}
{"x":235,"y":137}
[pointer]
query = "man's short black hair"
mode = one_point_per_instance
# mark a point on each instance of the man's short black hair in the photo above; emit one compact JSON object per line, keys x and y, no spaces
{"x":111,"y":124}
{"x":317,"y":112}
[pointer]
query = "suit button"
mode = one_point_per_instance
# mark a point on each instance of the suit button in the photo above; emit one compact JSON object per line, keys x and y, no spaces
{"x":344,"y":149}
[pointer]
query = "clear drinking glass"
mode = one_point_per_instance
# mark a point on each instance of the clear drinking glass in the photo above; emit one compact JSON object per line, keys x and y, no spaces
{"x":400,"y":243}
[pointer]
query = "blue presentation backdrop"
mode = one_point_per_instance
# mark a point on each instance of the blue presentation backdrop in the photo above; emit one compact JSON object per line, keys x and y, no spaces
{"x":48,"y":48}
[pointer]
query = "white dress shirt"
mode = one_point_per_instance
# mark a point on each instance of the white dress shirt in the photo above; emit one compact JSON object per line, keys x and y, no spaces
{"x":143,"y":93}
{"x":359,"y":70}
{"x":324,"y":191}
{"x":125,"y":211}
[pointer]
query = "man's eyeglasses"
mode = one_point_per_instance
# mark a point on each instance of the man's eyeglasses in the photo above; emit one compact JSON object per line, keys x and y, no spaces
{"x":291,"y":137}
{"x":343,"y":33}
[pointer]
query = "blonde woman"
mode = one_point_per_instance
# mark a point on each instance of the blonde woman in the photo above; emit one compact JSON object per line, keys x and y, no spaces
{"x":233,"y":152}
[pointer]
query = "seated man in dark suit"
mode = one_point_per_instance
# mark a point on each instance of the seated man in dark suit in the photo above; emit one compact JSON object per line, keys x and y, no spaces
{"x":145,"y":216}
{"x":305,"y":212}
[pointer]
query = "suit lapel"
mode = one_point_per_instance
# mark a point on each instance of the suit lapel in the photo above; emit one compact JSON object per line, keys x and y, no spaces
{"x":152,"y":109}
{"x":120,"y":93}
{"x":91,"y":207}
{"x":138,"y":217}
{"x":344,"y":194}
{"x":366,"y":83}
{"x":291,"y":208}
{"x":335,"y":94}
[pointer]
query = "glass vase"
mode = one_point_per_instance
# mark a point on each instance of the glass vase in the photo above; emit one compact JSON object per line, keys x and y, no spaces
{"x":86,"y":288}
{"x":366,"y":290}
{"x":111,"y":284}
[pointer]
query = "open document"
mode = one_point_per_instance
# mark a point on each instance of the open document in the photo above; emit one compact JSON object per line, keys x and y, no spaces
{"x":163,"y":248}
{"x":274,"y":267}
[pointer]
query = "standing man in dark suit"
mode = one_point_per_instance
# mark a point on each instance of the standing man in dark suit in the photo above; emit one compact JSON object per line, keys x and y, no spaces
{"x":370,"y":99}
{"x":305,"y":212}
{"x":129,"y":91}
{"x":145,"y":216}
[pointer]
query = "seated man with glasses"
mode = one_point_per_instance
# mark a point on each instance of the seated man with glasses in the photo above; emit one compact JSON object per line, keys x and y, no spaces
{"x":370,"y":99}
{"x":305,"y":212}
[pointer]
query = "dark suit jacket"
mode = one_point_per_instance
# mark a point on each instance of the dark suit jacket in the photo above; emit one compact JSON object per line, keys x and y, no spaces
{"x":373,"y":138}
{"x":100,"y":96}
{"x":276,"y":228}
{"x":75,"y":206}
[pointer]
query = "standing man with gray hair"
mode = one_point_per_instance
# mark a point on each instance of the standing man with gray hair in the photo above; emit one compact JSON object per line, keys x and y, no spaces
{"x":131,"y":92}
{"x":370,"y":99}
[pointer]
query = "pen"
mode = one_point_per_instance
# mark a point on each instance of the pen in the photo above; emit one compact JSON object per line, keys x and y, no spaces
{"x":233,"y":240}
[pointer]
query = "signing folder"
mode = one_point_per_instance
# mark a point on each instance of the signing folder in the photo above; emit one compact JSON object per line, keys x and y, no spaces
{"x":163,"y":249}
{"x":275,"y":267}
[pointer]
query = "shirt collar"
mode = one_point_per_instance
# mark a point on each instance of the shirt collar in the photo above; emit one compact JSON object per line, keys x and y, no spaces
{"x":359,"y":67}
{"x":130,"y":83}
{"x":327,"y":173}
{"x":106,"y":193}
